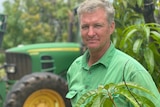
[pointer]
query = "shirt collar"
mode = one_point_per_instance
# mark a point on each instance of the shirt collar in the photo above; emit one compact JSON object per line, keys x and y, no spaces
{"x":105,"y":59}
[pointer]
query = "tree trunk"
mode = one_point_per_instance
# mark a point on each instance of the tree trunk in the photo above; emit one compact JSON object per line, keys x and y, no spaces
{"x":147,"y":11}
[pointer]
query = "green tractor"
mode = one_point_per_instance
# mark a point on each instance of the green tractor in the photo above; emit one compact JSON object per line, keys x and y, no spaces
{"x":36,"y":74}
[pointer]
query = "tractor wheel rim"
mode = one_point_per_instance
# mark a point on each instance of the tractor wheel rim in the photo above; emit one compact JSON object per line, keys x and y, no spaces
{"x":44,"y":98}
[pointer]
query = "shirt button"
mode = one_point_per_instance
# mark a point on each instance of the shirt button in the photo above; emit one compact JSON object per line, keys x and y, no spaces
{"x":86,"y":86}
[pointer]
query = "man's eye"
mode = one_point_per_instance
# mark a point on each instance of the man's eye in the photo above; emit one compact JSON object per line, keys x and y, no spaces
{"x":97,"y":26}
{"x":84,"y":27}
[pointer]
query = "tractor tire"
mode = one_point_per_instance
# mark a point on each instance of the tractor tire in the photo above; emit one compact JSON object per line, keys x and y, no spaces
{"x":38,"y":90}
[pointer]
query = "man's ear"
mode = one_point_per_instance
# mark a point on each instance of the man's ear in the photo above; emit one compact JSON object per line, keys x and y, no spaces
{"x":112,"y":27}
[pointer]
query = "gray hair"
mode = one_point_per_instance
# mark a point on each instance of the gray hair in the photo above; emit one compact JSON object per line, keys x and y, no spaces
{"x":92,"y":5}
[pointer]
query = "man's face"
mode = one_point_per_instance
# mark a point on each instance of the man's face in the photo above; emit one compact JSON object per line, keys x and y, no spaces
{"x":95,"y":30}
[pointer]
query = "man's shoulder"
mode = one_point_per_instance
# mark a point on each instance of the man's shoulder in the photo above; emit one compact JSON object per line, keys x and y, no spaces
{"x":77,"y":61}
{"x":121,"y":56}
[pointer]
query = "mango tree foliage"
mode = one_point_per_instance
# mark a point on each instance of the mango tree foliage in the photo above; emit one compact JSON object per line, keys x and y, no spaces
{"x":136,"y":36}
{"x":143,"y":43}
{"x":104,"y":96}
{"x":35,"y":21}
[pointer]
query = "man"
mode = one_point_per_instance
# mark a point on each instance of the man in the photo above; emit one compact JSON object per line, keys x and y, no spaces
{"x":102,"y":63}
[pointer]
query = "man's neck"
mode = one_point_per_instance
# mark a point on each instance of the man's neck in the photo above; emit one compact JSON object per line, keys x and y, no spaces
{"x":96,"y":55}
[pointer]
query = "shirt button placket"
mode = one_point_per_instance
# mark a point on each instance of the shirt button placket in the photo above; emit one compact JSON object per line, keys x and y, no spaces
{"x":88,"y":83}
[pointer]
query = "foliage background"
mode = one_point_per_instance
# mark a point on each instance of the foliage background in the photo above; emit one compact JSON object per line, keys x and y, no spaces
{"x":39,"y":21}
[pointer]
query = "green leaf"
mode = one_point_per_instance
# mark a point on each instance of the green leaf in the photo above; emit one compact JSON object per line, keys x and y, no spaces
{"x":124,"y":3}
{"x":146,"y":32}
{"x":137,"y":45}
{"x":154,"y":26}
{"x":136,"y":99}
{"x":140,"y":3}
{"x":109,"y":86}
{"x":147,"y":102}
{"x":155,"y":35}
{"x":100,"y":88}
{"x":85,"y":97}
{"x":130,"y":33}
{"x":102,"y":99}
{"x":133,"y":3}
{"x":128,"y":95}
{"x":107,"y":103}
{"x":97,"y":102}
{"x":153,"y":47}
{"x":92,"y":100}
{"x":149,"y":58}
{"x":134,"y":86}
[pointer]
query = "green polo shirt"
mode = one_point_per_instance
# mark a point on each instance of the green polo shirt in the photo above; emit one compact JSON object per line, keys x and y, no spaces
{"x":109,"y":69}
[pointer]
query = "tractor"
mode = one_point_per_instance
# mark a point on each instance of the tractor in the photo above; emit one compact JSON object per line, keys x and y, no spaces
{"x":36,"y":73}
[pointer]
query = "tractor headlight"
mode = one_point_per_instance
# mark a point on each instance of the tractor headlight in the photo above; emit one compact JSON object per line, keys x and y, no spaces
{"x":11,"y":68}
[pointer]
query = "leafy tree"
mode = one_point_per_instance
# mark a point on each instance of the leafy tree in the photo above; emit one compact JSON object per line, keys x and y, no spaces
{"x":136,"y":42}
{"x":137,"y":35}
{"x":37,"y":21}
{"x":104,"y":96}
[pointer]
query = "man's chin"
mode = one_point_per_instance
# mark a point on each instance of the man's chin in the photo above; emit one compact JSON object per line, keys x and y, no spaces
{"x":92,"y":48}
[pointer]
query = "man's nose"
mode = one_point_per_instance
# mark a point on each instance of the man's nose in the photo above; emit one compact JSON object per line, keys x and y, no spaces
{"x":91,"y":31}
